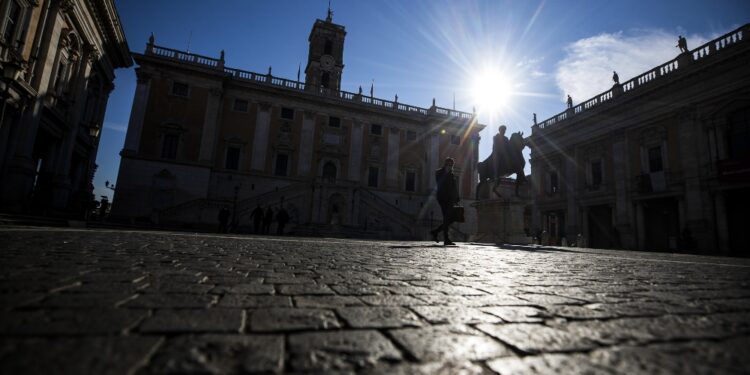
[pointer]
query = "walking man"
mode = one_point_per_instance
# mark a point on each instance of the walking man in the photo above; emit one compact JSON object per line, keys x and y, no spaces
{"x":224,"y":219}
{"x":267,"y":221}
{"x":282,"y":217}
{"x":447,"y":197}
{"x":257,"y":216}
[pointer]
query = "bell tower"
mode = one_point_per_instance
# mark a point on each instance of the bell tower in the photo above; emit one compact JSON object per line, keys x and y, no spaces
{"x":325,"y":59}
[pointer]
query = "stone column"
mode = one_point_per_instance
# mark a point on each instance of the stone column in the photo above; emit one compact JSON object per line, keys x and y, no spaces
{"x":536,"y":186}
{"x":137,"y":113}
{"x":260,"y":137}
{"x":307,"y":139}
{"x":620,"y":177}
{"x":692,"y":142}
{"x":433,"y":154}
{"x":571,"y":184}
{"x":61,"y":182}
{"x":355,"y":151}
{"x":722,"y":224}
{"x":392,"y":156}
{"x":210,"y":126}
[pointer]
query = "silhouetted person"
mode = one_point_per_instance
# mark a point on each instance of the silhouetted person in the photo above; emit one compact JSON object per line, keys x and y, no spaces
{"x":257,"y":216}
{"x":282,"y":217}
{"x":224,"y":219}
{"x":267,"y":221}
{"x":500,"y":149}
{"x":570,"y":102}
{"x":682,"y":44}
{"x":447,"y":197}
{"x":615,"y":78}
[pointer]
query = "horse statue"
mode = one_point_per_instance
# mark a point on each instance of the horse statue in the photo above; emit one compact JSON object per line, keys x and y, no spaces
{"x":512,"y":163}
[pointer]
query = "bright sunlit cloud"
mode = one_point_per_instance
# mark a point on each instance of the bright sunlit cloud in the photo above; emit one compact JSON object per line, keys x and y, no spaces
{"x":586,"y":69}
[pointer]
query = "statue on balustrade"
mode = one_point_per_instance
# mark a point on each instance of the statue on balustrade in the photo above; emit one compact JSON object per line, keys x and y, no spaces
{"x":682,"y":44}
{"x":615,"y":78}
{"x":506,"y":159}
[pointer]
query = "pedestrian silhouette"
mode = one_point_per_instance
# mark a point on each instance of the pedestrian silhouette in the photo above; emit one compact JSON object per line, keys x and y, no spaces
{"x":223,"y":219}
{"x":447,"y":197}
{"x":682,"y":44}
{"x":282,"y":217}
{"x":257,"y":216}
{"x":570,"y":102}
{"x":267,"y":221}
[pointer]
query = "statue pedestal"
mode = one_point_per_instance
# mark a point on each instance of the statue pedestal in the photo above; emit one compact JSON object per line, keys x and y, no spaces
{"x":501,"y":219}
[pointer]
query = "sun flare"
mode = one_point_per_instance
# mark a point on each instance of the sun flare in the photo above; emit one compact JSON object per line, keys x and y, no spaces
{"x":492,"y":90}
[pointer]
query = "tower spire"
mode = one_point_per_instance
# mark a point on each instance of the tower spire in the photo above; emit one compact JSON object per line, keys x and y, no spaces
{"x":329,"y":17}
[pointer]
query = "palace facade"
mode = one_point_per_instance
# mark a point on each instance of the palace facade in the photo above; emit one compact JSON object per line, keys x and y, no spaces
{"x":58,"y":59}
{"x":660,"y":162}
{"x":203,"y":136}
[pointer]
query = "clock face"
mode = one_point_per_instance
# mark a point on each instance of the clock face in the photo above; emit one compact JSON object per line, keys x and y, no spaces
{"x":326,"y":62}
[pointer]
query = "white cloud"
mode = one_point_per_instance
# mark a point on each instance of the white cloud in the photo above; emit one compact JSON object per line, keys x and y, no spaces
{"x":586,"y":69}
{"x":120,"y":128}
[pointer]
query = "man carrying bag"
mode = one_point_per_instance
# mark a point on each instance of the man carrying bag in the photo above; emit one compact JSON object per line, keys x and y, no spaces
{"x":447,"y":197}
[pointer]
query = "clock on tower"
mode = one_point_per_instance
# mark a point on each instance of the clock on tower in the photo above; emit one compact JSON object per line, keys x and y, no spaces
{"x":325,"y":59}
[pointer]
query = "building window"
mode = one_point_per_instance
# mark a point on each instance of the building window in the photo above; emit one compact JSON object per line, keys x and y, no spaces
{"x":334,"y":122}
{"x":654,"y":159}
{"x":329,"y":171}
{"x":455,"y":139}
{"x":372,"y":177}
{"x":411,"y":181}
{"x":233,"y":158}
{"x":239,"y":105}
{"x":287,"y":113}
{"x":169,"y":146}
{"x":554,"y":184}
{"x":411,"y":136}
{"x":328,"y":49}
{"x":61,"y":78}
{"x":325,"y":80}
{"x":596,"y":173}
{"x":282,"y":163}
{"x":376,"y":129}
{"x":739,"y":135}
{"x":12,"y":22}
{"x":180,"y":89}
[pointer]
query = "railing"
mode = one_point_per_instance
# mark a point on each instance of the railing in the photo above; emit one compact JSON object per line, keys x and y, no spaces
{"x":268,"y":79}
{"x":709,"y":49}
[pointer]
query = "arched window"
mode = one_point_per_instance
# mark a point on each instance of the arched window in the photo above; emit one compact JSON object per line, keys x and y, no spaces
{"x":329,"y":171}
{"x":325,"y":80}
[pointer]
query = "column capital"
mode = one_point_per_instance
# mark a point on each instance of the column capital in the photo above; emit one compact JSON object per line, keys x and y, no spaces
{"x":264,"y":106}
{"x":309,"y":115}
{"x":141,"y":76}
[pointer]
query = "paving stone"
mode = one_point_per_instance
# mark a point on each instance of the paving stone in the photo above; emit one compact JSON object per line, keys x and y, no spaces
{"x":547,"y":299}
{"x":69,"y":322}
{"x":252,"y":301}
{"x":360,"y":289}
{"x":448,"y":342}
{"x":517,"y":314}
{"x":301,"y":289}
{"x":454,"y":314}
{"x":548,"y":364}
{"x":172,"y":300}
{"x":379,"y":317}
{"x":327,"y":301}
{"x":247,"y":289}
{"x":62,"y":355}
{"x":392,"y":300}
{"x":194,"y":320}
{"x":172,"y":287}
{"x":287,"y":319}
{"x":82,"y":300}
{"x":430,"y":368}
{"x":537,"y":338}
{"x":340,"y":350}
{"x":219,"y":354}
{"x":9,"y":301}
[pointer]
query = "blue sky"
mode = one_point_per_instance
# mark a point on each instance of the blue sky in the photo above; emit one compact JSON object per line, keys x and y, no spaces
{"x":538,"y":51}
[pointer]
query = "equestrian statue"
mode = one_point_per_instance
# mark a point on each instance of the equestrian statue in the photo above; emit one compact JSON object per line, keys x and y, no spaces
{"x":506,"y":159}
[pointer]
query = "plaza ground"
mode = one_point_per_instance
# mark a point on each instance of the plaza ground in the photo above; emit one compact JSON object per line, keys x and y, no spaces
{"x":105,"y":301}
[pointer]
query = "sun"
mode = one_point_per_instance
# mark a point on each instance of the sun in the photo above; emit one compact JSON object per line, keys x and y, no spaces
{"x":492,"y":90}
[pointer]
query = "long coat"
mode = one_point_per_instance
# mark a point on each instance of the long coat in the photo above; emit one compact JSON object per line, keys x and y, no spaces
{"x":447,"y":188}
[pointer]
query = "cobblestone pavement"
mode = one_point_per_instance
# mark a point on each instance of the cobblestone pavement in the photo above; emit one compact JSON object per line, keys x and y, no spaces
{"x":99,"y":301}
